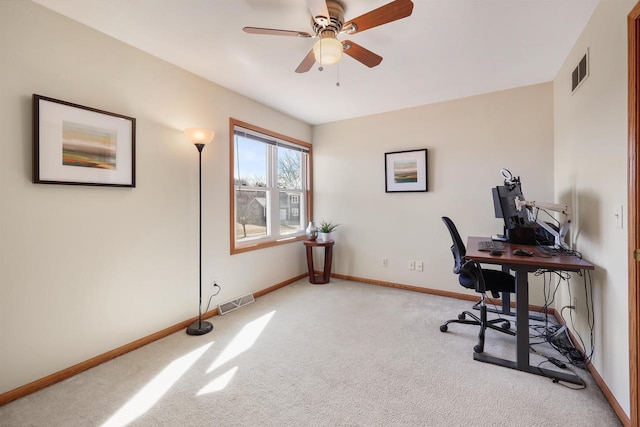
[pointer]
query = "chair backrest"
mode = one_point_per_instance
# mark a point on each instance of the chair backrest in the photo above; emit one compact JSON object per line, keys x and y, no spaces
{"x":457,"y":249}
{"x":469,"y":272}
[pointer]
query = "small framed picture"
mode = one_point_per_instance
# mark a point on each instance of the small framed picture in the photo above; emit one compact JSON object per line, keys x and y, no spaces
{"x":78,"y":145}
{"x":406,"y":171}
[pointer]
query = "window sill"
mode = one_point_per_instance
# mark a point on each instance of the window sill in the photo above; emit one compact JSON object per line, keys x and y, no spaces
{"x":266,"y":244}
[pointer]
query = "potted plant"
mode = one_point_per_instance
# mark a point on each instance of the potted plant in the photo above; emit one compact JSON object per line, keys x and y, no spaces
{"x":325,"y":229}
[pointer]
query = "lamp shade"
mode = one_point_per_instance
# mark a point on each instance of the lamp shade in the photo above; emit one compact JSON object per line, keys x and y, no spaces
{"x":327,"y":51}
{"x":199,"y":136}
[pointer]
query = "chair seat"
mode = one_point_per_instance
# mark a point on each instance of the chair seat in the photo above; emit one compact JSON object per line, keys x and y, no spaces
{"x":495,"y":281}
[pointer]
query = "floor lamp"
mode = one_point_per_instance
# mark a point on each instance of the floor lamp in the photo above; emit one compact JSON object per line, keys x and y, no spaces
{"x":200,"y":137}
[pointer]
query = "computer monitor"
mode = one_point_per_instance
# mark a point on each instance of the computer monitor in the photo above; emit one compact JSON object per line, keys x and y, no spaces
{"x":504,"y":205}
{"x":518,"y":226}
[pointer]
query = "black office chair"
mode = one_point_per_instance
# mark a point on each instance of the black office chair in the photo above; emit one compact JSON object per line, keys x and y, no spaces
{"x":472,"y":276}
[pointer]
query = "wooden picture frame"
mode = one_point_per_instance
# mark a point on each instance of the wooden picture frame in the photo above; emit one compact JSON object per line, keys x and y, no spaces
{"x":78,"y":145}
{"x":406,"y":171}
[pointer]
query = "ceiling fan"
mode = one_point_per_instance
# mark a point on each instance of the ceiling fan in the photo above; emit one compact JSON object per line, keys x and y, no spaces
{"x":327,"y":22}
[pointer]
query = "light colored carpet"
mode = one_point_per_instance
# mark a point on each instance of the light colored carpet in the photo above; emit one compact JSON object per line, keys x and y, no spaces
{"x":341,"y":354}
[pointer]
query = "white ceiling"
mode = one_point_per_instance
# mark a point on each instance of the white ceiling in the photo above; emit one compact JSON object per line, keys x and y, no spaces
{"x":446,"y":49}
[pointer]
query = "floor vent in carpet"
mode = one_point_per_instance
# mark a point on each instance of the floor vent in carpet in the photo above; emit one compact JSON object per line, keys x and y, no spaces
{"x":235,"y":304}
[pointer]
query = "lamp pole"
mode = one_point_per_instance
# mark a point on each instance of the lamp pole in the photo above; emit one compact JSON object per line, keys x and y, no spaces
{"x":199,"y":327}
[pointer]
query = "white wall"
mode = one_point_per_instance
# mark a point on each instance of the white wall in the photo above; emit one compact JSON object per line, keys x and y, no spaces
{"x":591,"y":174}
{"x":468,"y":141}
{"x":84,"y":270}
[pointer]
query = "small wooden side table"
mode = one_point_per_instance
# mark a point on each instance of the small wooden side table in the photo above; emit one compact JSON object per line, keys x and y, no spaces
{"x":328,"y":255}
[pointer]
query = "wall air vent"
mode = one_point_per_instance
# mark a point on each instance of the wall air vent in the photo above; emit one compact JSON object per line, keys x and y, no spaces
{"x":580,"y":72}
{"x":235,"y":304}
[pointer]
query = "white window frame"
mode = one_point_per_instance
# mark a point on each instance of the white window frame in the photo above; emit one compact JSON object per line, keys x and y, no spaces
{"x":273,"y":141}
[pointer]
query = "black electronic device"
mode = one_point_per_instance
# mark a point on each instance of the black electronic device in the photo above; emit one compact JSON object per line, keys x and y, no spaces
{"x":526,"y":234}
{"x":522,"y":252}
{"x":558,"y":363}
{"x":490,"y":245}
{"x":504,"y":204}
{"x":518,"y":227}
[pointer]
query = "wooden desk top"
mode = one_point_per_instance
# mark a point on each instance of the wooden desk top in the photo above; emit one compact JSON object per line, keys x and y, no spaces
{"x":540,"y":259}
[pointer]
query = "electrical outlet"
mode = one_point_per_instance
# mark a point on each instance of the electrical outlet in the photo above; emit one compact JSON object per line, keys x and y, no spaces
{"x":419,"y":266}
{"x":412,"y":265}
{"x":385,"y":262}
{"x":214,"y":281}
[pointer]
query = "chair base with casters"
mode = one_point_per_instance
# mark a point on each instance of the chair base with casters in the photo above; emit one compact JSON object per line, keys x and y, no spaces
{"x":469,"y":318}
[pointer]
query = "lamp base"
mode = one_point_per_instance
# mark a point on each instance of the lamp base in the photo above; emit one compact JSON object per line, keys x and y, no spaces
{"x":199,"y":328}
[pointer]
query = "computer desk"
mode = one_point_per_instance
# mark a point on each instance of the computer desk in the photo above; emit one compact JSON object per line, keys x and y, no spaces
{"x":522,"y":266}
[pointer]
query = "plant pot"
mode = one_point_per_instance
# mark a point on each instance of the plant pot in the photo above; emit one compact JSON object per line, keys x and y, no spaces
{"x":324,"y":237}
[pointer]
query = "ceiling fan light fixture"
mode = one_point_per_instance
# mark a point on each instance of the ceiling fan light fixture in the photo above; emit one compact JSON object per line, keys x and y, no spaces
{"x":327,"y":51}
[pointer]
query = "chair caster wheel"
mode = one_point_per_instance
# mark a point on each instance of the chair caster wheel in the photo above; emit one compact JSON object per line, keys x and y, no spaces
{"x":506,"y":325}
{"x":461,"y":316}
{"x":443,"y":328}
{"x":478,"y":349}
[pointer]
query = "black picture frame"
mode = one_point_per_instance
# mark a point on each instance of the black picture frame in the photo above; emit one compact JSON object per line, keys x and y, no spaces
{"x":406,"y":171}
{"x":78,"y":145}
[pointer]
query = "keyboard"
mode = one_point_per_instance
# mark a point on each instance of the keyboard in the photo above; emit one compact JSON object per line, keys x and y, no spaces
{"x":491,"y":245}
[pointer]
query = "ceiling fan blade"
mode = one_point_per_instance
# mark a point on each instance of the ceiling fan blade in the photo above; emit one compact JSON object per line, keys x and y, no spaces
{"x":390,"y":12}
{"x":319,"y":12}
{"x":306,"y":63}
{"x":275,"y":32}
{"x":361,"y":54}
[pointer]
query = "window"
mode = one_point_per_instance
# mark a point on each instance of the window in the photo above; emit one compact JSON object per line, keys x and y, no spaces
{"x":269,"y":187}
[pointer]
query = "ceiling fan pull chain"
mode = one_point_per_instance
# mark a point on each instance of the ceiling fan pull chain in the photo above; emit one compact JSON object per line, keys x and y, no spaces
{"x":338,"y":74}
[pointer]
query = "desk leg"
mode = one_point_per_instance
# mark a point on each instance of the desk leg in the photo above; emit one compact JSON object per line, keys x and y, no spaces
{"x":506,"y":297}
{"x":505,"y":309}
{"x":522,"y":319}
{"x":506,"y":304}
{"x":522,"y":339}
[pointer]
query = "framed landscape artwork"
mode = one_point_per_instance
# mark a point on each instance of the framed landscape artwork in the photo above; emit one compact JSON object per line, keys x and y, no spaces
{"x":78,"y":145}
{"x":406,"y":171}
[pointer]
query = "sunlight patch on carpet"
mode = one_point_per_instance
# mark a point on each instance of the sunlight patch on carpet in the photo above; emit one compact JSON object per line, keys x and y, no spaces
{"x":155,"y":389}
{"x":243,"y":341}
{"x":219,"y":383}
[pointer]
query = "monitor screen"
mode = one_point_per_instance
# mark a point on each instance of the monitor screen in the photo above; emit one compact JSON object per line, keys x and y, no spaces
{"x":504,"y":204}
